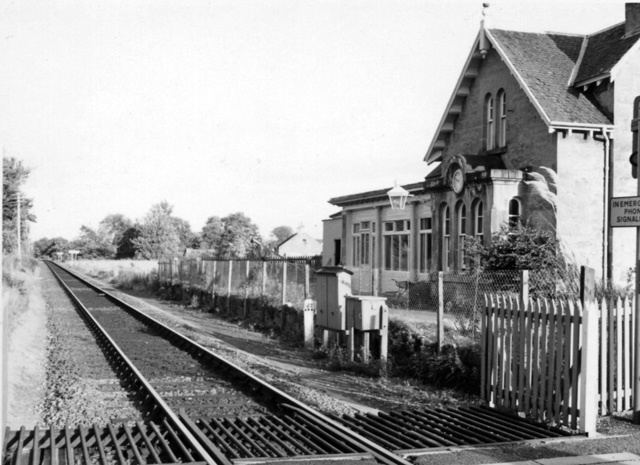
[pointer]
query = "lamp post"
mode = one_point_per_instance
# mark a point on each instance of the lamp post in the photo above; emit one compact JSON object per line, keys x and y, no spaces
{"x":398,"y":197}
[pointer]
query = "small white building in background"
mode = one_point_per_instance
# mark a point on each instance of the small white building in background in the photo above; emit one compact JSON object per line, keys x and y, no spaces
{"x":299,"y":244}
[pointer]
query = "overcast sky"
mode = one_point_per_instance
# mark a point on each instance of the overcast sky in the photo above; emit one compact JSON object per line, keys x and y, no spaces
{"x":265,"y":107}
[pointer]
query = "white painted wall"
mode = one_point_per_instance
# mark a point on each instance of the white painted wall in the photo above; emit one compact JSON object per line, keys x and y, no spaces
{"x":626,"y":87}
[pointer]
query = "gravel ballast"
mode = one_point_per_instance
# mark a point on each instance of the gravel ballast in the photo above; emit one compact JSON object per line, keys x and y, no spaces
{"x":81,"y":387}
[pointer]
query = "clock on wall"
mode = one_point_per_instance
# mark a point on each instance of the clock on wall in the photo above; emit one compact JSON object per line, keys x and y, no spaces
{"x":457,"y":180}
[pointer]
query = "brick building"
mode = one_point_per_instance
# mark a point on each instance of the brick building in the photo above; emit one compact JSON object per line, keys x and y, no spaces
{"x":537,"y":130}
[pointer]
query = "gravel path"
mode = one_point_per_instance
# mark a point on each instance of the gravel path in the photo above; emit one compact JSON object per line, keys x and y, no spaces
{"x":292,"y":369}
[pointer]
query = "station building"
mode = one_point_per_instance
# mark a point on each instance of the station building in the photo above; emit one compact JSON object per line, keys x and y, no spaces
{"x":537,"y":131}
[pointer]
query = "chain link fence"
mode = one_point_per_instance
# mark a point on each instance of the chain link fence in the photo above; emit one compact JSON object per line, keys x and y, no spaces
{"x":278,"y":281}
{"x":463,"y":293}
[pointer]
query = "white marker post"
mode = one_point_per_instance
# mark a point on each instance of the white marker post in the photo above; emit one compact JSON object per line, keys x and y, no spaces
{"x":625,"y":212}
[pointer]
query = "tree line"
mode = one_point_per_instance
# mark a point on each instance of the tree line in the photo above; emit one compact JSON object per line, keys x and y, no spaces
{"x":161,"y":234}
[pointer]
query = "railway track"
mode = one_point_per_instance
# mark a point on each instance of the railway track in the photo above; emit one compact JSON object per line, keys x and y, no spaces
{"x":201,"y":408}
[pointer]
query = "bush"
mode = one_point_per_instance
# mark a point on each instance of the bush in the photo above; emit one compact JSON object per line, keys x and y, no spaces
{"x":411,"y":356}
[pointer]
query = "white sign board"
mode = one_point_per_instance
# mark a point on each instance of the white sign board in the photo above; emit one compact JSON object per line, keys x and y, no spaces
{"x":625,"y":212}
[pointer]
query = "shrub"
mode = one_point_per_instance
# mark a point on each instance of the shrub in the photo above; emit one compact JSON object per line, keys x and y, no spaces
{"x":411,"y":356}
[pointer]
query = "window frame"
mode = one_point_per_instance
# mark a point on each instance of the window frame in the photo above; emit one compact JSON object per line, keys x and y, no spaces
{"x":461,"y":230}
{"x":425,"y":244}
{"x":361,"y":243}
{"x":478,"y":219}
{"x":445,"y":234}
{"x":396,"y":245}
{"x":501,"y":139}
{"x":489,"y":122}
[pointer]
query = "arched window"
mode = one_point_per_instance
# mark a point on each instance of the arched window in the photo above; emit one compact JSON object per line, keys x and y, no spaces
{"x":515,"y":212}
{"x":461,"y":215}
{"x":445,"y":225}
{"x":502,"y":118}
{"x":489,"y":122}
{"x":478,"y":220}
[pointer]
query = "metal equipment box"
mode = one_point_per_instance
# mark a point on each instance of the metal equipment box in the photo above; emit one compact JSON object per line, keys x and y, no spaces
{"x":364,"y":312}
{"x":333,"y":283}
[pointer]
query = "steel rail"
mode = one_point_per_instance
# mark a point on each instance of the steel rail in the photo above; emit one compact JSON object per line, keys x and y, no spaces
{"x":341,"y":432}
{"x":220,"y":458}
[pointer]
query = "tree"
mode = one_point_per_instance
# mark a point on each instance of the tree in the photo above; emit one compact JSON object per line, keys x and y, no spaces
{"x":49,"y":247}
{"x":14,"y":175}
{"x":126,"y":246}
{"x":159,"y":236}
{"x":280,"y":233}
{"x":211,"y":233}
{"x":528,"y":248}
{"x":187,"y":237}
{"x":521,"y":248}
{"x":91,"y":244}
{"x":112,"y":227}
{"x":239,"y":237}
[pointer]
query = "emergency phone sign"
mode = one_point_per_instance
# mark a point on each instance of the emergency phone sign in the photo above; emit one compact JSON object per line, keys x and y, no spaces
{"x":625,"y":212}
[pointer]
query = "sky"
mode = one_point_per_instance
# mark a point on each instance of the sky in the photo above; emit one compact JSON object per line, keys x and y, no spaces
{"x":217,"y":106}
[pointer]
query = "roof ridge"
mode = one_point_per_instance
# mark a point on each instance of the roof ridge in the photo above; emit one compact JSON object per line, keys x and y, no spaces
{"x":513,"y":30}
{"x":578,"y":63}
{"x":606,"y":29}
{"x":568,"y":34}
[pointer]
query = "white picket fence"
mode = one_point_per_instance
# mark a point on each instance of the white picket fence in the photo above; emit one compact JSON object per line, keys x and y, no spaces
{"x":617,"y":329}
{"x":555,"y":362}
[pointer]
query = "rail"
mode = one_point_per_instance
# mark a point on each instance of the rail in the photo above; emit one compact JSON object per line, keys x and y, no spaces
{"x":338,"y":430}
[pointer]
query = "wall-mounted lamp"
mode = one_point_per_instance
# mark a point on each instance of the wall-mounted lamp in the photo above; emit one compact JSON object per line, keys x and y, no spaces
{"x":398,"y":197}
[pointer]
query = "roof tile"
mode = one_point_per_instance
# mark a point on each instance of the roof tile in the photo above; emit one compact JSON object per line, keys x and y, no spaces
{"x":604,"y":50}
{"x":545,"y":63}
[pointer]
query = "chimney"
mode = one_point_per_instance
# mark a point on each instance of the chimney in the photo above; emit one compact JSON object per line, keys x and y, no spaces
{"x":631,"y":18}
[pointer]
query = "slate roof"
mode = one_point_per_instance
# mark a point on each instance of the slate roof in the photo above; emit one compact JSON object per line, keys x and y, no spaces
{"x":370,"y":196}
{"x":545,"y":63}
{"x":604,"y":49}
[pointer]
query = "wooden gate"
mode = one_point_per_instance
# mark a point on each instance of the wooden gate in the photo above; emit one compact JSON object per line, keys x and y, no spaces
{"x":541,"y":359}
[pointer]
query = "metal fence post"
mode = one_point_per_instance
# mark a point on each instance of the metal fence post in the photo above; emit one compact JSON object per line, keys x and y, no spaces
{"x":440,"y":323}
{"x":213,"y":280}
{"x":229,"y":279}
{"x":264,"y":278}
{"x":246,"y":288}
{"x":229,"y":286}
{"x":284,"y":282}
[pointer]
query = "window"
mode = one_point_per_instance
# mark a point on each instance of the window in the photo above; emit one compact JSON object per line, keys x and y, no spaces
{"x":502,"y":118}
{"x":396,"y":245}
{"x":361,"y":243}
{"x":425,"y":247}
{"x":489,"y":123}
{"x":515,"y":211}
{"x":461,"y":214}
{"x":478,"y":220}
{"x":446,"y":237}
